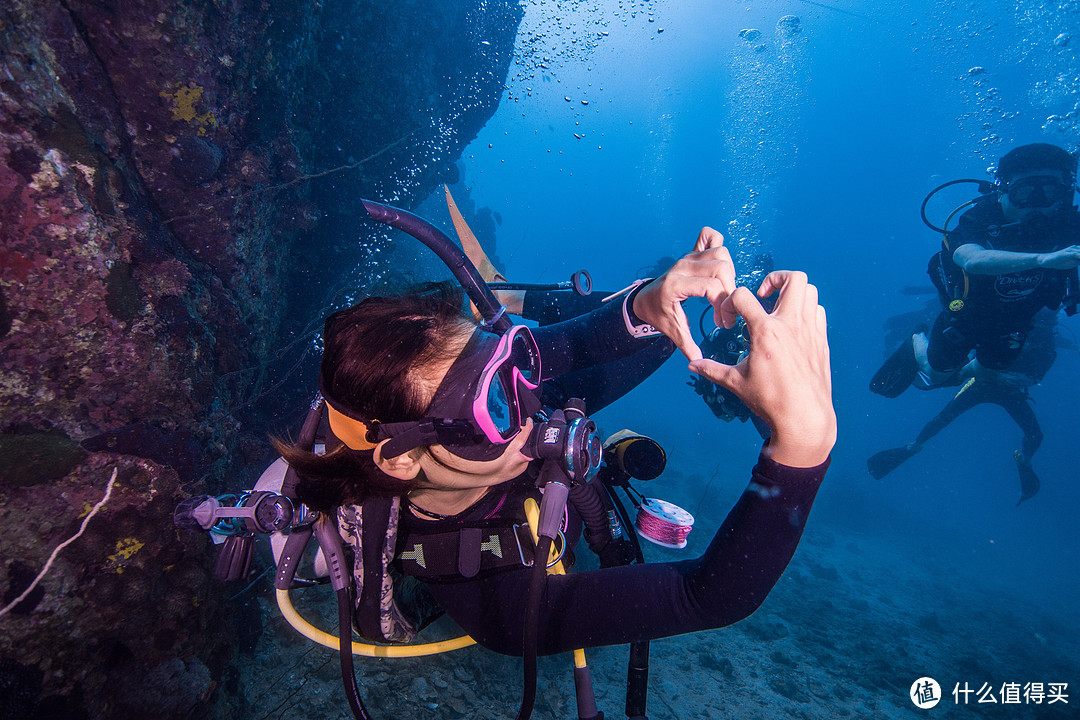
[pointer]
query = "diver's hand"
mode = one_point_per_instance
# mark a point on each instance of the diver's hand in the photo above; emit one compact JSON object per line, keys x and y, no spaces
{"x":1064,"y":259}
{"x":706,"y":272}
{"x":785,"y":379}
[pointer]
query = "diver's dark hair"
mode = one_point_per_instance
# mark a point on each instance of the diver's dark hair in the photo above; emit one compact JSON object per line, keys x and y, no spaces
{"x":1036,"y":156}
{"x":373,"y":361}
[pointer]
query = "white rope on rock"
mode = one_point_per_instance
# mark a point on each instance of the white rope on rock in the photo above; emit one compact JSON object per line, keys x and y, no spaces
{"x":61,"y":546}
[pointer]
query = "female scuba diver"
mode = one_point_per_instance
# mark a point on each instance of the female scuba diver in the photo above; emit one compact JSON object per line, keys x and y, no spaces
{"x":435,"y":417}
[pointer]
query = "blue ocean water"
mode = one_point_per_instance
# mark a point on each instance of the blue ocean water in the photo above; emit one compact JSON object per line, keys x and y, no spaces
{"x":626,"y":128}
{"x":812,"y":132}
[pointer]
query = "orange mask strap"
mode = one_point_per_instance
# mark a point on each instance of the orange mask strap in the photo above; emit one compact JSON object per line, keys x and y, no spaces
{"x":349,"y":431}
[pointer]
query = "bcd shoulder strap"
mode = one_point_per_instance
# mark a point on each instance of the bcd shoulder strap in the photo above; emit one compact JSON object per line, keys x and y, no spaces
{"x":370,"y":530}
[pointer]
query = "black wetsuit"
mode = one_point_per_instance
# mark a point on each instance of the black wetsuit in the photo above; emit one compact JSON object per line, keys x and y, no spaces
{"x":604,"y":381}
{"x":1012,"y":400}
{"x":997,"y":309}
{"x":637,"y":602}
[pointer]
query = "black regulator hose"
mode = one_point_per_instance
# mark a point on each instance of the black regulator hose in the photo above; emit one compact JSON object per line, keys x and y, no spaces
{"x":701,"y":322}
{"x":531,"y":626}
{"x":348,"y":675}
{"x":306,"y":440}
{"x":333,"y":548}
{"x":985,"y":188}
{"x":555,"y":478}
{"x":586,"y":500}
{"x":637,"y":667}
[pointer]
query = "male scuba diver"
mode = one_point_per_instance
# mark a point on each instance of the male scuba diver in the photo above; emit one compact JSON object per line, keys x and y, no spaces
{"x":1014,"y":252}
{"x":1007,"y":389}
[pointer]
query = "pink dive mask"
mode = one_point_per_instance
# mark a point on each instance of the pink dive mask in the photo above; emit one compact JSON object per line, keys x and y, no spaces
{"x":489,"y":392}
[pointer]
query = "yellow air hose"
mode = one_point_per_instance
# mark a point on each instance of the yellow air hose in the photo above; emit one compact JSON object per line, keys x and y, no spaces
{"x":325,"y":639}
{"x":958,"y":303}
{"x":302,"y":626}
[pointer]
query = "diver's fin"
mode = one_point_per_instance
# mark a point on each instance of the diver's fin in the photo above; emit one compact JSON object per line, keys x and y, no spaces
{"x":470,"y":244}
{"x":1029,"y":481}
{"x":884,"y":462}
{"x":898,"y":372}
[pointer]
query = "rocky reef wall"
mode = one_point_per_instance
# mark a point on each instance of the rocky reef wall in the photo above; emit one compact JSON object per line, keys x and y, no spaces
{"x":179,"y":188}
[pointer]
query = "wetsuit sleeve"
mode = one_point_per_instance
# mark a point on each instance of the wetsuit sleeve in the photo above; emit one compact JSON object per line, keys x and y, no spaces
{"x":595,"y":358}
{"x":592,"y":339}
{"x":644,"y":602}
{"x":551,"y":306}
{"x":602,"y":384}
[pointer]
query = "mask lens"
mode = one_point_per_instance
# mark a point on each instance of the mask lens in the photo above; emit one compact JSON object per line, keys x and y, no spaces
{"x":1038,"y":191}
{"x":523,"y":356}
{"x":498,"y":405}
{"x":513,"y":369}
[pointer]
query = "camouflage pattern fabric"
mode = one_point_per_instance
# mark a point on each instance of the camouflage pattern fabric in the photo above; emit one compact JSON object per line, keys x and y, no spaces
{"x":393,"y":623}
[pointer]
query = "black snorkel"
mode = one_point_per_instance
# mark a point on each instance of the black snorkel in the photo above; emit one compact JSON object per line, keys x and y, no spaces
{"x":464,"y":271}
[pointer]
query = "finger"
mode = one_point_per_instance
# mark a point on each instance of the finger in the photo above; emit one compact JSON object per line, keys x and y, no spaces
{"x":679,"y":332}
{"x":704,"y":286}
{"x":719,"y":274}
{"x":716,"y":372}
{"x":778,"y":279}
{"x":810,"y":303}
{"x":792,"y":291}
{"x":712,"y":263}
{"x":715,"y":291}
{"x":708,"y":238}
{"x":691,"y":350}
{"x":741,"y":302}
{"x":717,"y":262}
{"x":725,"y":315}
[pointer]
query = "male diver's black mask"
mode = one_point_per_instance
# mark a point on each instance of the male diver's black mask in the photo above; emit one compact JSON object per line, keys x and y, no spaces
{"x":1038,"y":191}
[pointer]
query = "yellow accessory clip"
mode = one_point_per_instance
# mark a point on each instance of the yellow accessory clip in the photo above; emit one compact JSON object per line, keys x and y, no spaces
{"x":350,"y":431}
{"x":956,"y":305}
